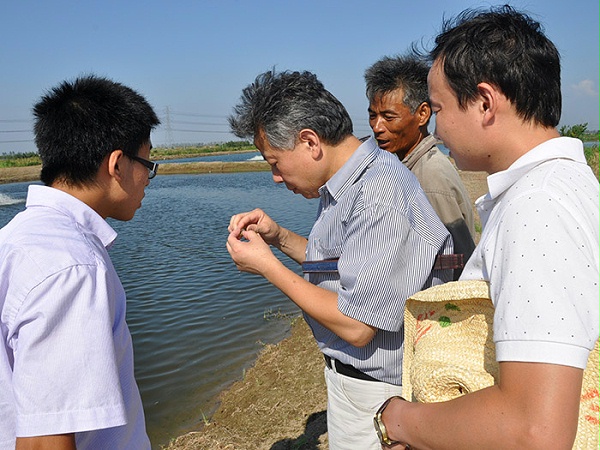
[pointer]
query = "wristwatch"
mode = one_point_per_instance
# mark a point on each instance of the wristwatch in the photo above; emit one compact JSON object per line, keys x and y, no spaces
{"x":380,"y":427}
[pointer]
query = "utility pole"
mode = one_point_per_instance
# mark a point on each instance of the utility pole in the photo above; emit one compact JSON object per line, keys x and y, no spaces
{"x":169,"y":131}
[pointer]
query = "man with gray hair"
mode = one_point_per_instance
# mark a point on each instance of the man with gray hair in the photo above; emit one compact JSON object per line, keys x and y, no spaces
{"x":375,"y":242}
{"x":399,"y":113}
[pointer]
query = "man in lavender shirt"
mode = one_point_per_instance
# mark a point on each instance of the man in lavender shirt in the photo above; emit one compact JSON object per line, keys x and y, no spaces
{"x":66,"y":358}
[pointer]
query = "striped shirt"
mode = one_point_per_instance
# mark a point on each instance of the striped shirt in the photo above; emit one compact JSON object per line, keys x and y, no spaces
{"x":374,"y":216}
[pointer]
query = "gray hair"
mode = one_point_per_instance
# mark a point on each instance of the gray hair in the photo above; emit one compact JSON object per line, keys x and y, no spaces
{"x":282,"y":104}
{"x":408,"y":72}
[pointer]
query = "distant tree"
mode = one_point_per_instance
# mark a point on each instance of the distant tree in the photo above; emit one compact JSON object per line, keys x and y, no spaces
{"x":236,"y":144}
{"x":575,"y":131}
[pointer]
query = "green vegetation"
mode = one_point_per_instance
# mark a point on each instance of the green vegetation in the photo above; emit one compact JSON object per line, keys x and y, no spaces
{"x":591,"y":156}
{"x":32,"y":159}
{"x":162,"y":153}
{"x":19,"y":159}
{"x":590,"y":137}
{"x":278,"y":315}
{"x":579,"y":131}
{"x":576,"y":131}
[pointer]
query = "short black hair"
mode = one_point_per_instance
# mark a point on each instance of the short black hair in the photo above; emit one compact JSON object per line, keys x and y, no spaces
{"x":282,"y":104}
{"x":77,"y":124}
{"x":507,"y":49}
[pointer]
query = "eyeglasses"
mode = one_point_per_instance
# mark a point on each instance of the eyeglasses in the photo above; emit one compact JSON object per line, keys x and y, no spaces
{"x":150,"y":165}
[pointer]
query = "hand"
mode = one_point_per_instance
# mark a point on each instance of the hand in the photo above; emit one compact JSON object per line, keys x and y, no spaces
{"x":256,"y":221}
{"x":251,"y":255}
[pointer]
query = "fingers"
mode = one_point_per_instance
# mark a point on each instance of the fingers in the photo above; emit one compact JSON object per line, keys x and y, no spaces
{"x":234,"y":222}
{"x":234,"y":240}
{"x":233,"y":245}
{"x":248,"y":251}
{"x":231,"y":240}
{"x":243,"y":220}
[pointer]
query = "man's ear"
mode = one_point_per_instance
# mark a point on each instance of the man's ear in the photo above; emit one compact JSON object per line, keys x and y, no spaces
{"x":423,"y":112}
{"x":113,"y":161}
{"x":489,"y":99}
{"x":309,"y":138}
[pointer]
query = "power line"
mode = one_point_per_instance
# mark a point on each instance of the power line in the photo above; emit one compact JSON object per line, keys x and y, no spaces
{"x":360,"y":126}
{"x":197,"y":123}
{"x":200,"y":131}
{"x":13,"y":142}
{"x":176,"y":113}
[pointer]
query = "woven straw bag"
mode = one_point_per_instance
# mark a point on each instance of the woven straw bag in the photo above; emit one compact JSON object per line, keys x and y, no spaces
{"x":449,"y":351}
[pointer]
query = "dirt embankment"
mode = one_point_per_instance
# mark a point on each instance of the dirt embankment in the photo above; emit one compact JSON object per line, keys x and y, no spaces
{"x":32,"y":173}
{"x":212,"y":167}
{"x":18,"y":174}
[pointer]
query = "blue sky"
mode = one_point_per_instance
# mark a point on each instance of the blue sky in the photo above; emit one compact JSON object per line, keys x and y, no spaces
{"x":191,"y":59}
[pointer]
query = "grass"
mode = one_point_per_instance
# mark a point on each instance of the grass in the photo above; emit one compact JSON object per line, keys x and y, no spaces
{"x":160,"y":153}
{"x":591,"y":156}
{"x":269,"y":314}
{"x":19,"y":160}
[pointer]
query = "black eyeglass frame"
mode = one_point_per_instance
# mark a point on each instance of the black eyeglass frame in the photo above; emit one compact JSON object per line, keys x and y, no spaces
{"x":150,"y":165}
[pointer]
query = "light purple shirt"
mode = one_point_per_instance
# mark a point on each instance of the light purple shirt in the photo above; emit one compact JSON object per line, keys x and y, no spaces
{"x":66,"y":364}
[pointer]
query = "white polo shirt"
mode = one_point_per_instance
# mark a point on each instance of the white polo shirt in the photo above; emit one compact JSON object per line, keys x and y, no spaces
{"x":539,"y":251}
{"x":66,"y":358}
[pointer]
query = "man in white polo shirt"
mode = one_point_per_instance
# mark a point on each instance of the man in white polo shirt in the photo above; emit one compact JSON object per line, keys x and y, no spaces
{"x":66,"y":359}
{"x":495,"y":88}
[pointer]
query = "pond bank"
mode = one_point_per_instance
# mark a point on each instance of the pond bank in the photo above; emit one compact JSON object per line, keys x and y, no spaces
{"x":32,"y":173}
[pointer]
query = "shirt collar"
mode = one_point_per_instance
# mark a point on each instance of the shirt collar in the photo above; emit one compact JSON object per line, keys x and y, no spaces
{"x":351,"y":171}
{"x":70,"y":206}
{"x":556,"y":148}
{"x":426,"y":144}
